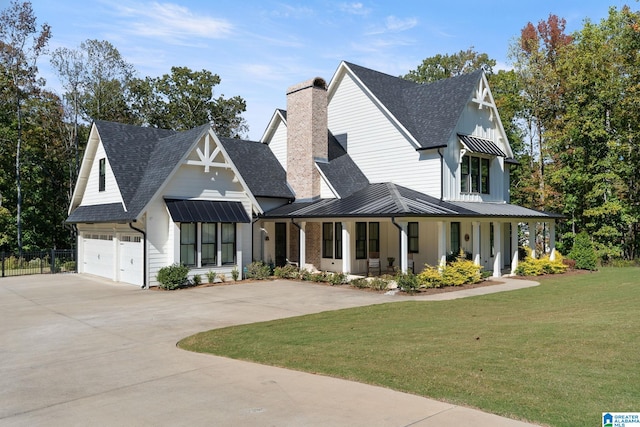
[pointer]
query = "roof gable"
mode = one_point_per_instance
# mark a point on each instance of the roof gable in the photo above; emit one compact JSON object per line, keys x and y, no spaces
{"x":429,"y":112}
{"x":259,"y":168}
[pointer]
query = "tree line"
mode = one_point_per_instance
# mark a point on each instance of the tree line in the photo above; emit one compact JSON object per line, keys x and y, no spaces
{"x":569,"y":105}
{"x":42,"y":134}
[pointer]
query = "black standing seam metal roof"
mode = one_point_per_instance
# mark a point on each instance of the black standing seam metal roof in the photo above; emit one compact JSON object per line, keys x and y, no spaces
{"x":206,"y":211}
{"x":430,"y":112}
{"x":480,"y":145}
{"x":391,"y":200}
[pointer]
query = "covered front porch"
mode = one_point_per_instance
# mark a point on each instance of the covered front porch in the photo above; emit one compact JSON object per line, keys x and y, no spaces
{"x":348,"y":245}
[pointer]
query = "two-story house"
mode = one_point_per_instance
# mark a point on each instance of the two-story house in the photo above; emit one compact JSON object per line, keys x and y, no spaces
{"x":369,"y":165}
{"x":386,"y":166}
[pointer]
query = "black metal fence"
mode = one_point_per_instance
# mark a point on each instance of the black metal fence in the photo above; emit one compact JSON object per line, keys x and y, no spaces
{"x":38,"y":262}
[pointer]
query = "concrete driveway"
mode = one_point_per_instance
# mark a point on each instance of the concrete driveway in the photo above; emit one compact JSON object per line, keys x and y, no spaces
{"x":77,"y":350}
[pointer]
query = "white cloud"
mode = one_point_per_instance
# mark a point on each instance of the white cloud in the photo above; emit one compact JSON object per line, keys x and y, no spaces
{"x":170,"y":21}
{"x":396,"y":25}
{"x":393,"y":24}
{"x":354,"y":8}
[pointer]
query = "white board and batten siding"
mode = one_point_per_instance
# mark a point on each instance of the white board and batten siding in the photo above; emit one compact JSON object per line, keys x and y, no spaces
{"x":111,"y":193}
{"x":482,"y":124}
{"x":278,"y":144}
{"x":394,"y":159}
{"x":191,"y":182}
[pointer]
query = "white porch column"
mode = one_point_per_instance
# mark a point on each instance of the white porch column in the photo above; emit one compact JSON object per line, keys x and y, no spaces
{"x":514,"y":247}
{"x":497,"y":249}
{"x":239,"y":250}
{"x":404,"y":247}
{"x":302,"y":239}
{"x":552,"y":240}
{"x":442,"y":243}
{"x":476,"y":242}
{"x":346,"y":247}
{"x":532,"y":238}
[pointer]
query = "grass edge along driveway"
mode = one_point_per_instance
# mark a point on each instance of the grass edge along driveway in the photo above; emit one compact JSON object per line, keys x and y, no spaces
{"x":558,"y":354}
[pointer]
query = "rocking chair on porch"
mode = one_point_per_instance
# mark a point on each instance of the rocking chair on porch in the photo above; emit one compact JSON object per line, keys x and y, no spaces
{"x":373,"y":263}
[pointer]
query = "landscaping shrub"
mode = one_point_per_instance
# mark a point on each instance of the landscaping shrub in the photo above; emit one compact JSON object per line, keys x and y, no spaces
{"x":360,"y":283}
{"x":287,"y":272}
{"x":69,"y":266}
{"x":337,"y":279}
{"x":173,"y":276}
{"x":320,"y":276}
{"x":258,"y":270}
{"x":211,"y":276}
{"x":461,"y":271}
{"x":408,"y":282}
{"x":536,"y":267}
{"x":379,"y":283}
{"x":430,"y":277}
{"x":583,"y":252}
{"x":197,"y":279}
{"x":235,"y":274}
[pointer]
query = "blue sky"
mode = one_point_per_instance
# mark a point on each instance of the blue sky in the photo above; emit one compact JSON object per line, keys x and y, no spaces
{"x":261,"y":47}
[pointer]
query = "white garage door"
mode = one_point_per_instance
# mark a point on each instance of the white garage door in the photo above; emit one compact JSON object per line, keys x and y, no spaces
{"x":98,"y":254}
{"x":131,"y":260}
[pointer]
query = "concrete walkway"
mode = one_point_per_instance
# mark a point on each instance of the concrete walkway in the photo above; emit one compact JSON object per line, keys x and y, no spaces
{"x":78,"y":351}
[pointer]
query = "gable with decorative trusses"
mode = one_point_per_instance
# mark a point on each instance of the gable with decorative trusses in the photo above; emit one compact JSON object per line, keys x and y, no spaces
{"x":208,"y":154}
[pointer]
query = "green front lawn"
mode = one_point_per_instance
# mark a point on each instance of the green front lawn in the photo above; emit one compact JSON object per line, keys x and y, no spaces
{"x":558,"y":354}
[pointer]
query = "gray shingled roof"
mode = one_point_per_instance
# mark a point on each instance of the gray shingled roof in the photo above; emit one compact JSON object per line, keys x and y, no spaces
{"x":259,"y":168}
{"x":430,"y":112}
{"x":341,"y":171}
{"x":390,"y":200}
{"x":112,"y":212}
{"x":142,"y":159}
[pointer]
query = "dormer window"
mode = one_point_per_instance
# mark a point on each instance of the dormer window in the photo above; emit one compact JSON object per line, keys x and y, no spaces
{"x":474,"y":175}
{"x":103,"y":175}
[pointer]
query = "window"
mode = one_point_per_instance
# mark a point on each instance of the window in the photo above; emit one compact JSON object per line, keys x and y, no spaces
{"x":374,"y":237}
{"x":338,"y":240}
{"x":327,"y":240}
{"x":361,"y":240}
{"x":209,"y":248}
{"x":188,"y":243}
{"x":228,"y":242}
{"x":455,"y":238}
{"x":414,"y":241}
{"x":474,"y":175}
{"x":103,"y":175}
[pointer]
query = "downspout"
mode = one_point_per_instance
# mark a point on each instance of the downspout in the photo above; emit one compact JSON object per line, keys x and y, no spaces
{"x":144,"y":255}
{"x":441,"y":174}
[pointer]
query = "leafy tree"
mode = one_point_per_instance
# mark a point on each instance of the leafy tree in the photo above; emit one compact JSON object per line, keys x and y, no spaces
{"x":104,"y":83}
{"x":440,"y":66}
{"x":595,"y":151}
{"x":184,"y":99}
{"x":535,"y":55}
{"x":21,"y":44}
{"x":583,"y":253}
{"x":70,"y":66}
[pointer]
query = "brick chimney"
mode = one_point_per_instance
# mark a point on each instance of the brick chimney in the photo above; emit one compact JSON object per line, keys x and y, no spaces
{"x":306,"y":136}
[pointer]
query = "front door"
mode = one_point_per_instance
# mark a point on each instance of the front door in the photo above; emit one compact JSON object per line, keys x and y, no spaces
{"x":281,"y":243}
